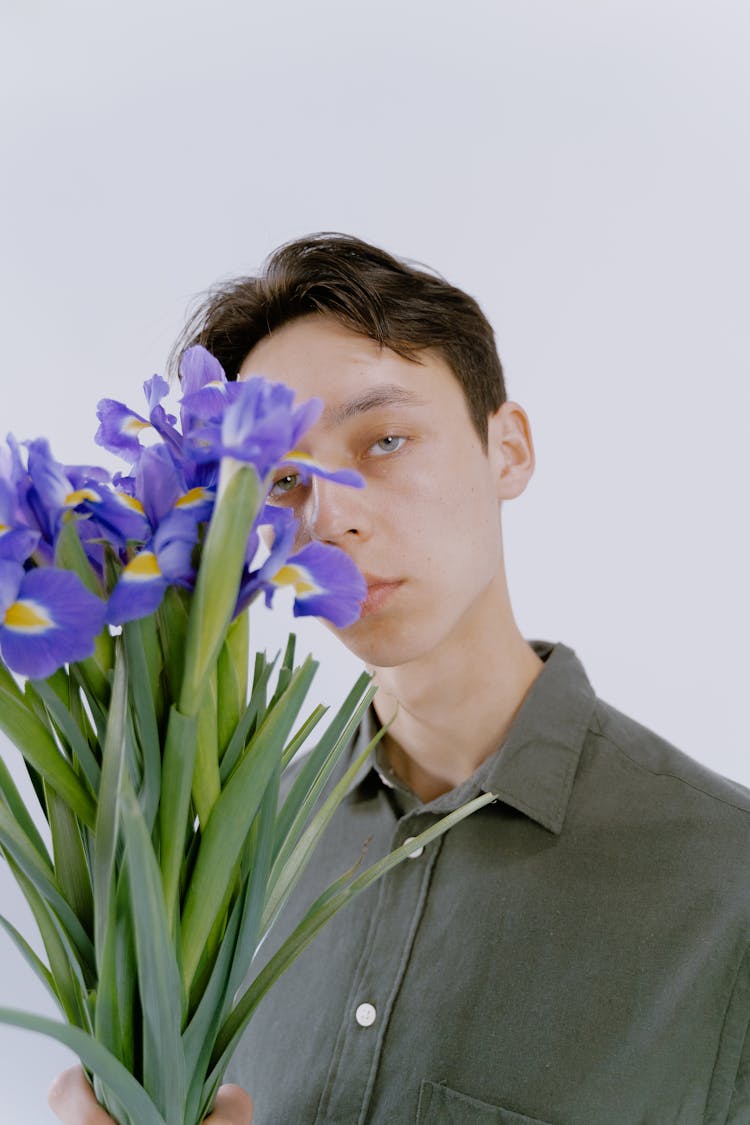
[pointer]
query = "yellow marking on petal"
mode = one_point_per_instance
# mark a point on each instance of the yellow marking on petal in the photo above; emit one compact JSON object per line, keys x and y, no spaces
{"x":4,"y":527}
{"x":143,"y":568}
{"x":296,"y":576}
{"x":129,"y":501}
{"x":26,"y":616}
{"x":191,"y":497}
{"x":298,"y":455}
{"x":79,"y":495}
{"x":133,"y":425}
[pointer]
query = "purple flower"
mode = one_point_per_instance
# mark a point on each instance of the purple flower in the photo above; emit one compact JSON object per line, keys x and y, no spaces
{"x":17,"y":539}
{"x":206,"y":390}
{"x":166,"y":560}
{"x":326,"y":584}
{"x":36,"y":498}
{"x":47,"y":618}
{"x":120,"y":427}
{"x":161,"y":486}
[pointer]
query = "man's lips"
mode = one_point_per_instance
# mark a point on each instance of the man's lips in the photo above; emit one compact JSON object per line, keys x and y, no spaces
{"x":378,"y":592}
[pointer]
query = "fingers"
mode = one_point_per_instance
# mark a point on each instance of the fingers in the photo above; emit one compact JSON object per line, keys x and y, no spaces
{"x":72,"y":1100}
{"x":233,"y":1107}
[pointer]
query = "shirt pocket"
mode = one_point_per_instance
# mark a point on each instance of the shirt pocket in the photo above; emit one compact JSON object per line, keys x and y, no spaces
{"x":439,"y":1105}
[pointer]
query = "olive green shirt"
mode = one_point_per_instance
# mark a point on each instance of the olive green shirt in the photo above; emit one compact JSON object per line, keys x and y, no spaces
{"x":575,"y":953}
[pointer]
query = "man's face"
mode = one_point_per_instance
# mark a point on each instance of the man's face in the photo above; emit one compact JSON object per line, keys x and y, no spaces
{"x":425,"y":529}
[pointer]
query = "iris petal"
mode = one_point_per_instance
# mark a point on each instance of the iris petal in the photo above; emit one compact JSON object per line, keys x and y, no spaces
{"x":119,"y":427}
{"x":53,"y":620}
{"x":327,"y":584}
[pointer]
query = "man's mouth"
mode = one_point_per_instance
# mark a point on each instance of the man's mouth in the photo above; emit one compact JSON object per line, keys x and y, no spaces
{"x":379,"y":590}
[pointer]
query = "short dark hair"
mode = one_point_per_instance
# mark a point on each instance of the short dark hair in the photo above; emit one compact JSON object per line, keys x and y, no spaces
{"x":389,"y":300}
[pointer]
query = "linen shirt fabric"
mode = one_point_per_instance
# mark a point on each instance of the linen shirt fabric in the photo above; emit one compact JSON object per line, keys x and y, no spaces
{"x":575,"y":953}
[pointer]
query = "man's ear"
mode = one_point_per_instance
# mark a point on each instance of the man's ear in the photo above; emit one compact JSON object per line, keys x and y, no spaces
{"x":510,"y":449}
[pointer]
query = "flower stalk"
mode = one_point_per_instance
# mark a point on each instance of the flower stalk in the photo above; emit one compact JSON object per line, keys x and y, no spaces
{"x":161,"y":763}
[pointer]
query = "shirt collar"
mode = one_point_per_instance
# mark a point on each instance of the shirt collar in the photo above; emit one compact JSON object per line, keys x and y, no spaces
{"x":534,"y":768}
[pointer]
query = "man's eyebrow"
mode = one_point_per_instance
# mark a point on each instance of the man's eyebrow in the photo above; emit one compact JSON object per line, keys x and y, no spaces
{"x":388,"y":394}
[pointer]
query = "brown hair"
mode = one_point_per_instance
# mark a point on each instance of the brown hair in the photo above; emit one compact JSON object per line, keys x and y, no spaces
{"x":367,"y":290}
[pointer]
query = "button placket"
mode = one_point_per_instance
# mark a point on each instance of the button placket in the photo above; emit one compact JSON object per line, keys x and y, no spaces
{"x":381,"y":969}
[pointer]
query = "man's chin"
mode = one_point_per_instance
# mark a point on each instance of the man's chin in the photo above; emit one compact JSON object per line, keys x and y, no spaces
{"x":379,"y":644}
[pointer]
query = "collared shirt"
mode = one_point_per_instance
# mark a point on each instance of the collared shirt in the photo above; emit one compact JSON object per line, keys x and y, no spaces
{"x":575,"y":953}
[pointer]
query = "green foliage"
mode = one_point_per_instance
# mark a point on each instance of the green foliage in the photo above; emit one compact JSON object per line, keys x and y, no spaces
{"x":157,"y":767}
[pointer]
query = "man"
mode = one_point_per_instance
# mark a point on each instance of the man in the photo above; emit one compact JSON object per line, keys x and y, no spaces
{"x":575,"y":952}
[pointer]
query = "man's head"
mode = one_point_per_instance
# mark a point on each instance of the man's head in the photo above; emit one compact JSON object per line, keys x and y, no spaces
{"x":414,"y":401}
{"x":367,"y":291}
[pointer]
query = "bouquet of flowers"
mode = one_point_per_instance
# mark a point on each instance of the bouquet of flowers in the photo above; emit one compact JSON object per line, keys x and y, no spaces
{"x":155,"y":751}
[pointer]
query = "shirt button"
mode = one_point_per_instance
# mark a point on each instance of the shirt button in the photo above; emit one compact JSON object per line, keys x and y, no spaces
{"x":417,"y":851}
{"x":365,"y":1015}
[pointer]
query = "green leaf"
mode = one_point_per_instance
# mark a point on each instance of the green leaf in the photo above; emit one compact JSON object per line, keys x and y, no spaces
{"x":206,"y":778}
{"x":255,"y":708}
{"x":258,"y":867}
{"x":297,"y":848}
{"x":59,"y":711}
{"x":219,"y":573}
{"x":228,"y":826}
{"x":71,"y":867}
{"x":200,"y":1034}
{"x":232,"y":680}
{"x":158,"y":974}
{"x":126,"y":972}
{"x":301,"y":736}
{"x":319,"y":913}
{"x":37,"y":745}
{"x":117,"y":1003}
{"x":172,"y":621}
{"x":176,"y":781}
{"x":18,"y":845}
{"x":97,"y":1058}
{"x":30,"y":957}
{"x":285,"y":671}
{"x":70,"y":555}
{"x":65,"y":970}
{"x":8,"y":684}
{"x":13,"y":799}
{"x":108,"y":812}
{"x":320,"y":762}
{"x":139,"y":638}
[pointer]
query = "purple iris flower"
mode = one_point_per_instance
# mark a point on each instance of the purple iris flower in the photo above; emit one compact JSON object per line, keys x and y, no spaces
{"x":120,"y":427}
{"x":257,"y":425}
{"x":17,"y":539}
{"x":47,"y":618}
{"x":284,"y":528}
{"x":206,"y":389}
{"x":50,"y":492}
{"x":326,"y":582}
{"x":166,"y":560}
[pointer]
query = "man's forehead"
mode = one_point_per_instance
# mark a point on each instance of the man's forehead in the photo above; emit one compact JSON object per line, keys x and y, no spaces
{"x":318,"y":357}
{"x":370,"y":398}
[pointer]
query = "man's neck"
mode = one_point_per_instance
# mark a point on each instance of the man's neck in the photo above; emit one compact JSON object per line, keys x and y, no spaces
{"x":454,"y":708}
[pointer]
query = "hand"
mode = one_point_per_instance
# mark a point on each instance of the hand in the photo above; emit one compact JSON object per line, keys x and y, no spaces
{"x":72,"y":1100}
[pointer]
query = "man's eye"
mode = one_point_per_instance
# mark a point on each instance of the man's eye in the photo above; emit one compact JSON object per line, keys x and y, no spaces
{"x":387,"y":444}
{"x":284,"y":484}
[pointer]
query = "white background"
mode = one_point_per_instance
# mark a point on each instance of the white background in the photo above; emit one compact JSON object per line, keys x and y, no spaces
{"x":580,"y":166}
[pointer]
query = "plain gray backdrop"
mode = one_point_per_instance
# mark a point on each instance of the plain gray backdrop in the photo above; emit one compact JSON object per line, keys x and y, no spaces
{"x":580,"y":166}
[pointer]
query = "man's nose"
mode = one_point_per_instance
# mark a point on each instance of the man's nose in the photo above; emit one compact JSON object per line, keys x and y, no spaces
{"x":336,"y":512}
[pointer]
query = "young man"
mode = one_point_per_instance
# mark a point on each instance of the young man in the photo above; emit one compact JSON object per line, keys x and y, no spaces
{"x":575,"y":952}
